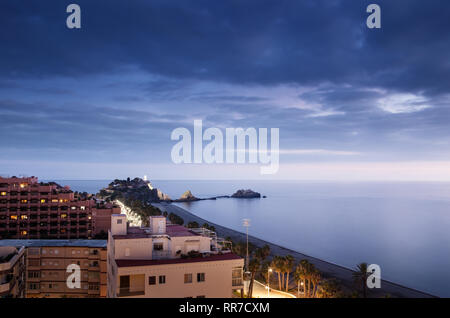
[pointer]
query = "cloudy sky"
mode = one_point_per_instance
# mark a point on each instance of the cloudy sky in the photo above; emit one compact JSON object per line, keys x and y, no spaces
{"x":351,"y":103}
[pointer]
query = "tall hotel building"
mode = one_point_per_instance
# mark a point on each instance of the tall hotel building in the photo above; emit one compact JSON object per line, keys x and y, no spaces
{"x":167,"y":260}
{"x":12,"y":272}
{"x":38,"y":268}
{"x":33,"y":210}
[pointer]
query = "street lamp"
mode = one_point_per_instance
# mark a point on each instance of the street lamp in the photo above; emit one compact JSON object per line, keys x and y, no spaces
{"x":298,"y":291}
{"x":246,"y":223}
{"x":269,"y":270}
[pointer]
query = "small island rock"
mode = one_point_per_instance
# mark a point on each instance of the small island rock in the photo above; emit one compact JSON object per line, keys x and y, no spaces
{"x":246,"y":194}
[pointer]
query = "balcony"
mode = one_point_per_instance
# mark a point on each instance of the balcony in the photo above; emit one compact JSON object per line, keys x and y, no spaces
{"x":237,"y":282}
{"x":161,"y":254}
{"x":5,"y":287}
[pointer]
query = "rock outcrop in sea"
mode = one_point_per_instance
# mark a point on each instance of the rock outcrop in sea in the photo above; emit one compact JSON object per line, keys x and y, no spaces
{"x":187,"y":197}
{"x":246,"y":194}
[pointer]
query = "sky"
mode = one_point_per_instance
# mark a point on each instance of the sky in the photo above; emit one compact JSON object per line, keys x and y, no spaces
{"x":101,"y":102}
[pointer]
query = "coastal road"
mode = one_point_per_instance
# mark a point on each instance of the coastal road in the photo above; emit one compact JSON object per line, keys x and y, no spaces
{"x":328,"y":270}
{"x":260,"y":291}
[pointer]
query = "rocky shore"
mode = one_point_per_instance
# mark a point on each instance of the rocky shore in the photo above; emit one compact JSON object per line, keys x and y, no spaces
{"x":343,"y":274}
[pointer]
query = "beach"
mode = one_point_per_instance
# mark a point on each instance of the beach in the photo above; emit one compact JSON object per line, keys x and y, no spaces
{"x":328,"y":270}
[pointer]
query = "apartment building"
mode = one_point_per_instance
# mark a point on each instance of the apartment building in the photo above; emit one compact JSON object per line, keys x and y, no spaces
{"x":12,"y":272}
{"x":33,"y":210}
{"x":167,"y":260}
{"x":47,"y":262}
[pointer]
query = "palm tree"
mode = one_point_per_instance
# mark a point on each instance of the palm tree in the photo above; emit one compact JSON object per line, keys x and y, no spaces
{"x":263,"y":252}
{"x":254,"y":266}
{"x":360,"y":276}
{"x":315,"y":279}
{"x":289,"y":262}
{"x":329,"y":289}
{"x":300,"y":278}
{"x":277,"y":265}
{"x":302,"y":272}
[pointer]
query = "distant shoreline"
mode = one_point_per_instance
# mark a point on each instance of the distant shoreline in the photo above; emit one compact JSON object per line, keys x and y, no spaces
{"x":343,"y":274}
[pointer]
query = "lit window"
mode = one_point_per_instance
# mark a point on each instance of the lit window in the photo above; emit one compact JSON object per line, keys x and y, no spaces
{"x":23,"y":185}
{"x":55,"y":200}
{"x":3,"y":193}
{"x":13,"y":217}
{"x":43,"y":201}
{"x":23,"y":233}
{"x":63,"y":216}
{"x":82,"y":208}
{"x":24,"y":201}
{"x":73,"y":207}
{"x":24,"y":217}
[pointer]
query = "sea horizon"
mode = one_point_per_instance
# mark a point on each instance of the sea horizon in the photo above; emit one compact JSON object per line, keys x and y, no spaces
{"x":399,"y":225}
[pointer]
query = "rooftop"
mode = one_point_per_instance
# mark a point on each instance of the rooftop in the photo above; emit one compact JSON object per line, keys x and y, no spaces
{"x":62,"y":243}
{"x":172,"y":230}
{"x":212,"y":258}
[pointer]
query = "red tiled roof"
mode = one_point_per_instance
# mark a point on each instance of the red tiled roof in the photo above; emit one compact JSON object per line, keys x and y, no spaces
{"x":212,"y":258}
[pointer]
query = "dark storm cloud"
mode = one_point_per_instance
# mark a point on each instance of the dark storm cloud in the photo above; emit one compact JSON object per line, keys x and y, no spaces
{"x":265,"y":42}
{"x":136,"y":70}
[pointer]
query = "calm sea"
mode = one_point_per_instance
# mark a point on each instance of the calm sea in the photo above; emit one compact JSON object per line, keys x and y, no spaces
{"x":403,"y":227}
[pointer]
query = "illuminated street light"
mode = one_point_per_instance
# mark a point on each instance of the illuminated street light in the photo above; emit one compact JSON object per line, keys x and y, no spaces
{"x":246,"y":223}
{"x":269,"y":270}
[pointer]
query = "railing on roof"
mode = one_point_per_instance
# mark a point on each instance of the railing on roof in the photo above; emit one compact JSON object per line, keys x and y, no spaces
{"x":218,"y":244}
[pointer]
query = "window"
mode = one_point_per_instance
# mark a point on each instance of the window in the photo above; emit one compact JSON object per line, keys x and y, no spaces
{"x":201,"y":296}
{"x":152,"y":280}
{"x":33,"y":286}
{"x":187,"y":278}
{"x":119,"y":221}
{"x":23,"y":201}
{"x":34,"y":251}
{"x":236,"y":276}
{"x":127,"y":251}
{"x":33,"y":274}
{"x":200,"y":277}
{"x":93,"y":264}
{"x":2,"y":193}
{"x":158,"y":246}
{"x":162,"y":279}
{"x":13,"y":217}
{"x":24,"y":217}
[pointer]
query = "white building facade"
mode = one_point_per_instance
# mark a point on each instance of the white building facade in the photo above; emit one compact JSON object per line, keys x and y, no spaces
{"x":169,"y":261}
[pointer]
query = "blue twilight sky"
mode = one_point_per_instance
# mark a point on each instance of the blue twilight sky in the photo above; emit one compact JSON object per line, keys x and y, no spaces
{"x":101,"y":102}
